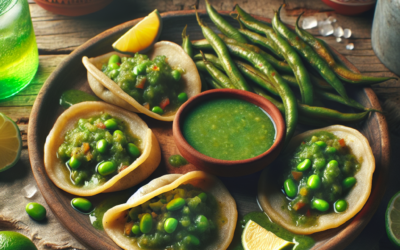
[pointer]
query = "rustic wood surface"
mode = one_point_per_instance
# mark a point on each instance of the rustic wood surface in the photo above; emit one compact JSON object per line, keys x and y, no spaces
{"x":58,"y":35}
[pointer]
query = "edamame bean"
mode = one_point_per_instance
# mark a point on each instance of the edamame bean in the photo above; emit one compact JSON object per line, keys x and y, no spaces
{"x":176,"y":75}
{"x":119,"y":132}
{"x":35,"y":211}
{"x":333,"y":163}
{"x":113,"y":66}
{"x":201,"y":223}
{"x":139,"y":69}
{"x":340,"y":206}
{"x":192,"y":240}
{"x":135,"y":229}
{"x":290,"y":188}
{"x":170,"y":225}
{"x":319,"y":163}
{"x":146,"y":223}
{"x":182,"y":97}
{"x":74,"y":163}
{"x":82,"y":204}
{"x":349,"y":182}
{"x":320,"y":205}
{"x":106,"y":168}
{"x":111,"y":124}
{"x":304,"y":165}
{"x":203,"y":196}
{"x":133,"y":150}
{"x":314,"y":181}
{"x":321,"y":144}
{"x":176,"y":204}
{"x":157,"y":110}
{"x":101,"y":146}
{"x":330,"y":150}
{"x":114,"y":59}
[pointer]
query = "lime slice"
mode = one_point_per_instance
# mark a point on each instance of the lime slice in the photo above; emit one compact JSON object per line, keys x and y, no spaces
{"x":256,"y":237}
{"x":392,"y":219}
{"x":10,"y":143}
{"x":142,"y":36}
{"x":15,"y":241}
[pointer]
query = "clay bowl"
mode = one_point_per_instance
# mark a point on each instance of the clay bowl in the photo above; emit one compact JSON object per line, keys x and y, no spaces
{"x":225,"y":167}
{"x":73,"y":7}
{"x":350,"y":7}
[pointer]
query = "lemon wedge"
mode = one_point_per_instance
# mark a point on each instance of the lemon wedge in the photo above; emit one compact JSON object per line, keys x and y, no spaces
{"x":141,"y":36}
{"x":10,"y":143}
{"x":255,"y":237}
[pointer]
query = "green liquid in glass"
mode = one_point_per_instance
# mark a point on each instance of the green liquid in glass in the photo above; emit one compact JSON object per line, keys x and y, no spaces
{"x":18,"y":50}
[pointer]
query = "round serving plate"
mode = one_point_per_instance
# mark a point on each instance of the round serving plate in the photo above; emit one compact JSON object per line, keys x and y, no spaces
{"x":71,"y":74}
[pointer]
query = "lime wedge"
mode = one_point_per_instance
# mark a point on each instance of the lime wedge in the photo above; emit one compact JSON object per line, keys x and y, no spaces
{"x":15,"y":241}
{"x":142,"y":36}
{"x":392,"y":219}
{"x":10,"y":143}
{"x":256,"y":237}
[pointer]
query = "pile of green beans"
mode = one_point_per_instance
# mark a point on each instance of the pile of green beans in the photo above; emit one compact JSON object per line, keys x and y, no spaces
{"x":308,"y":69}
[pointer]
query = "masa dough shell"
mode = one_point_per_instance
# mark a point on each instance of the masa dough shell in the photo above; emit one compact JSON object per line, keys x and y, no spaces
{"x":110,"y":92}
{"x":114,"y":219}
{"x":272,"y":199}
{"x":139,"y":170}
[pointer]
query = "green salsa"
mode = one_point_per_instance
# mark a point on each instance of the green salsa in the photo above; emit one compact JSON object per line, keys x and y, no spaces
{"x":229,"y":129}
{"x":152,"y":83}
{"x":97,"y":149}
{"x":318,"y":177}
{"x":184,"y":218}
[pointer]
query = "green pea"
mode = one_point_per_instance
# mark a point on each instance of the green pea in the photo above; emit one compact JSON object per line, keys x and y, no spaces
{"x":35,"y":211}
{"x":330,"y":150}
{"x":304,"y":165}
{"x":340,"y":206}
{"x":191,"y":240}
{"x":320,"y":205}
{"x":333,"y":164}
{"x":140,"y":69}
{"x":170,"y":225}
{"x":321,"y":144}
{"x":74,"y":163}
{"x":106,"y":168}
{"x":146,"y":223}
{"x":102,"y":146}
{"x":111,"y":124}
{"x":157,"y":110}
{"x":290,"y":188}
{"x":135,"y":229}
{"x":349,"y":182}
{"x":82,"y":204}
{"x":314,"y":181}
{"x":113,"y":66}
{"x":203,"y":196}
{"x":133,"y":150}
{"x":118,"y":132}
{"x":176,"y":204}
{"x":182,"y":97}
{"x":176,"y":75}
{"x":201,"y":223}
{"x":114,"y":59}
{"x":319,"y":163}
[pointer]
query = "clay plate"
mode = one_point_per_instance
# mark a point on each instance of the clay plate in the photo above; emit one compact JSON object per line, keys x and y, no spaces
{"x":71,"y":74}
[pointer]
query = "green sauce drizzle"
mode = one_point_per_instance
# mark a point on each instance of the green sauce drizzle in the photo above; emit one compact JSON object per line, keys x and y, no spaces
{"x":74,"y":96}
{"x":177,"y":161}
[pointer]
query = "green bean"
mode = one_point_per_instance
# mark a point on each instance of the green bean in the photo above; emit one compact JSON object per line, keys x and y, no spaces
{"x":217,"y":75}
{"x":170,"y":225}
{"x":186,"y":44}
{"x":308,"y":54}
{"x":320,"y":205}
{"x":212,"y":83}
{"x":223,"y":54}
{"x":349,"y":182}
{"x":286,"y":94}
{"x":133,"y":150}
{"x":314,"y":181}
{"x":286,"y":50}
{"x":342,"y":72}
{"x":304,"y":165}
{"x":223,"y":25}
{"x":201,"y":66}
{"x":146,"y":223}
{"x":111,"y":124}
{"x":290,"y":188}
{"x":336,"y":98}
{"x":101,"y":146}
{"x":204,"y":86}
{"x":202,"y":44}
{"x":262,"y":41}
{"x":340,"y":206}
{"x":106,"y":168}
{"x":176,"y":204}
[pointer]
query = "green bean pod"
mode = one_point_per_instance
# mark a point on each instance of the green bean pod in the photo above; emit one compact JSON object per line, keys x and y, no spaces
{"x":201,"y":66}
{"x":223,"y":54}
{"x":202,"y":44}
{"x":204,"y":86}
{"x":339,"y":99}
{"x":186,"y":44}
{"x":286,"y":50}
{"x":262,"y":41}
{"x":217,"y":75}
{"x":286,"y":94}
{"x":331,"y":114}
{"x":342,"y":72}
{"x":223,"y":25}
{"x":212,"y":83}
{"x":211,"y":58}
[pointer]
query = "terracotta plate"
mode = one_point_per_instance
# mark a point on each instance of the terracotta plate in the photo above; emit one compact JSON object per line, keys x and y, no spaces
{"x":71,"y":74}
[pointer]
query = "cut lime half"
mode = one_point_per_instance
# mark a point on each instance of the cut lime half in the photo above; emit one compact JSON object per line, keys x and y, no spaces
{"x":392,"y":219}
{"x":10,"y":143}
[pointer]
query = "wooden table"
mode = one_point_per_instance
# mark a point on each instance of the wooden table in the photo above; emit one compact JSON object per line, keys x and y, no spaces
{"x":58,"y":35}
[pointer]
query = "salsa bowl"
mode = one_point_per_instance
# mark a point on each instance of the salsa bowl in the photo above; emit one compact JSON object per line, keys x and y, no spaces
{"x":228,"y":168}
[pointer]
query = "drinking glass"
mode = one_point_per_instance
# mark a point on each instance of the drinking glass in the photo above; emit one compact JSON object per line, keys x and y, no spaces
{"x":19,"y":58}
